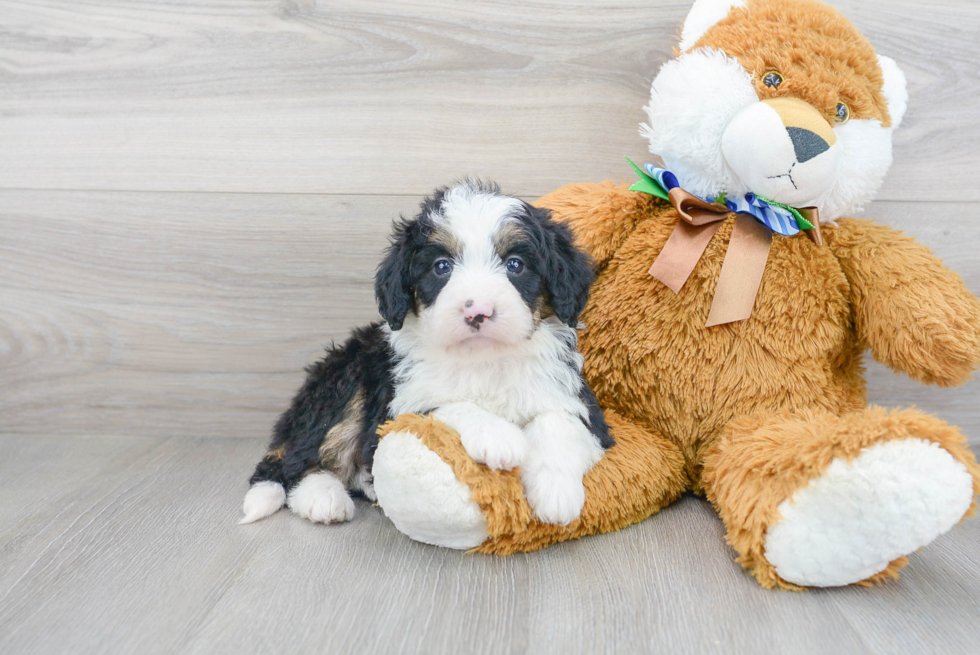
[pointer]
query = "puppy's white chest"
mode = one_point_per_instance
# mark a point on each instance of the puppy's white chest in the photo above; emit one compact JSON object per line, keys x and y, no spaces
{"x":506,"y":391}
{"x":542,"y":378}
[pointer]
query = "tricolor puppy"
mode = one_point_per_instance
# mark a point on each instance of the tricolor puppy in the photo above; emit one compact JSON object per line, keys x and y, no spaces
{"x":481,"y":294}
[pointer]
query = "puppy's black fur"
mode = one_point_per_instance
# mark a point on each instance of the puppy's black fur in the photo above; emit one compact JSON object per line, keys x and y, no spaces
{"x":354,"y":382}
{"x":567,"y":273}
{"x":362,"y":364}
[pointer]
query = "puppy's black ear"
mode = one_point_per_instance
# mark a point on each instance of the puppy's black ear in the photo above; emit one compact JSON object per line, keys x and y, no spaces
{"x":568,"y":270}
{"x":391,"y":282}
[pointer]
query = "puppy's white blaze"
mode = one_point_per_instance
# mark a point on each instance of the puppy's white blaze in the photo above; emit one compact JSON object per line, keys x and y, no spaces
{"x":474,"y":217}
{"x":262,"y":499}
{"x":321,"y":498}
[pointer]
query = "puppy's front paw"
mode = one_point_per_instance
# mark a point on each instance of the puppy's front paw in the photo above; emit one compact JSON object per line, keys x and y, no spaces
{"x":498,"y":443}
{"x":321,"y":498}
{"x":555,"y":498}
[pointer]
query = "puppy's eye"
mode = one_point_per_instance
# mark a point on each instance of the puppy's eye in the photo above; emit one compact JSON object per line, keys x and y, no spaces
{"x":842,"y":113}
{"x":772,"y":79}
{"x":514,"y":265}
{"x":442,"y":267}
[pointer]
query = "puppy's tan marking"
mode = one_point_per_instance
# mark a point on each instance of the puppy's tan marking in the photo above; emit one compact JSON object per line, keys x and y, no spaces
{"x":276,"y":454}
{"x":443,"y":236}
{"x":339,"y":451}
{"x":508,"y":236}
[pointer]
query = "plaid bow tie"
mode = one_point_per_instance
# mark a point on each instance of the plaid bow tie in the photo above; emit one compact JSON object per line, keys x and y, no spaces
{"x":781,"y":219}
{"x":748,"y":249}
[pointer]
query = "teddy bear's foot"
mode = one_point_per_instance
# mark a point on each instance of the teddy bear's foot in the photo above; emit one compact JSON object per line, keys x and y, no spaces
{"x":433,"y":490}
{"x":848,"y":524}
{"x":422,"y":496}
{"x":818,"y":500}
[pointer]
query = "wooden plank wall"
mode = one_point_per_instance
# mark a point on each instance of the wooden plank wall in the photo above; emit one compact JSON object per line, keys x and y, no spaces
{"x":193,"y":195}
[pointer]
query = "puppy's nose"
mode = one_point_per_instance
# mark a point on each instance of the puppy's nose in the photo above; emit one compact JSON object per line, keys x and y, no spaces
{"x":476,"y":312}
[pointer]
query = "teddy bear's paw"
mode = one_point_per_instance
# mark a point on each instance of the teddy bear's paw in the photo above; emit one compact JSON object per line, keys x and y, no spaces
{"x":852,"y":521}
{"x":554,"y":497}
{"x":321,"y":498}
{"x":422,"y":496}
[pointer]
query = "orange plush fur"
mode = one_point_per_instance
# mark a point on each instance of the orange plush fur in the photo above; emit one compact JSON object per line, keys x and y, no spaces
{"x":749,"y":412}
{"x":835,"y":63}
{"x":714,"y":410}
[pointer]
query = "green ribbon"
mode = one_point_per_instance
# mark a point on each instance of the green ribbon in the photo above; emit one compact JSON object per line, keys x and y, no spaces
{"x":651,"y":186}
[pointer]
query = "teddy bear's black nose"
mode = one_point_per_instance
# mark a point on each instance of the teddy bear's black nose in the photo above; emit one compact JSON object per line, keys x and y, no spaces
{"x":807,"y":144}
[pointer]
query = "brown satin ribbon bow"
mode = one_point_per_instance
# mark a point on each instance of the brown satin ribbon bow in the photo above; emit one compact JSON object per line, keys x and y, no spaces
{"x":745,"y":259}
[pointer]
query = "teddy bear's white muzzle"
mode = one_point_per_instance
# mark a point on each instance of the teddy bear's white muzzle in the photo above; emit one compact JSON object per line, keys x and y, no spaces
{"x":782,"y":150}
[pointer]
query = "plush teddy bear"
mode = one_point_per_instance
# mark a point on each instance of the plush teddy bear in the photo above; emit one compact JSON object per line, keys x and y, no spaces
{"x":724,"y":333}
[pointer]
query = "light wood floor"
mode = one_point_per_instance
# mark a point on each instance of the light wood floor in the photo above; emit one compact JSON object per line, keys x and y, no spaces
{"x":129,"y":545}
{"x":193,"y":197}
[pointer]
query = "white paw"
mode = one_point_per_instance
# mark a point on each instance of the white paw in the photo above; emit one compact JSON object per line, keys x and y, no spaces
{"x":554,"y":497}
{"x":496,"y":442}
{"x":858,"y":516}
{"x":321,"y":498}
{"x":262,"y":500}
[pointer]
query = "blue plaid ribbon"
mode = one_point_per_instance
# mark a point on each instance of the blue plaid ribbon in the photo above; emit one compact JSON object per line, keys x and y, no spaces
{"x":779,"y":220}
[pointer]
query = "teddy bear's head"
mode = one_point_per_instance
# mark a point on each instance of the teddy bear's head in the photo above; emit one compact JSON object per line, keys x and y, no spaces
{"x":781,"y":98}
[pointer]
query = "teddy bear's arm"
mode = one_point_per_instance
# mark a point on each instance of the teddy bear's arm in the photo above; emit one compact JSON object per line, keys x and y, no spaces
{"x":916,"y":315}
{"x":600,"y":215}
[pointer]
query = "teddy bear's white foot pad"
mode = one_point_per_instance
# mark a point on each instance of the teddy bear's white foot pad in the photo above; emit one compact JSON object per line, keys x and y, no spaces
{"x":422,"y":496}
{"x":857,"y":517}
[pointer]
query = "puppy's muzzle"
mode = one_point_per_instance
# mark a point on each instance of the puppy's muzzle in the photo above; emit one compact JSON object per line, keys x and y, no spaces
{"x":475,"y":313}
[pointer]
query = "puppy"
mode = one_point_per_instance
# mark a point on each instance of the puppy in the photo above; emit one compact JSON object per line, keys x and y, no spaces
{"x":480,"y":293}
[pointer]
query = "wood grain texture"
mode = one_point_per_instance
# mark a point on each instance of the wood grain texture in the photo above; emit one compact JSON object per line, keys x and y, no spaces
{"x":130,"y":545}
{"x":193,"y":314}
{"x":193,"y":198}
{"x":334,"y":97}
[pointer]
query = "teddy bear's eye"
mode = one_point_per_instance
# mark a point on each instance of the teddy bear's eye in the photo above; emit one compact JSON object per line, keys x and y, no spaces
{"x":772,"y":79}
{"x":842,"y":113}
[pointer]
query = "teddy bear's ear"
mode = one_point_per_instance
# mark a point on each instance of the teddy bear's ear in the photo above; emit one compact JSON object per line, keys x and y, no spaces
{"x":894,"y":89}
{"x":702,"y":17}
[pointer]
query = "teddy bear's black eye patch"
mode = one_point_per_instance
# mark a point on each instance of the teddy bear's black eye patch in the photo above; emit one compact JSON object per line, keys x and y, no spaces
{"x":772,"y":79}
